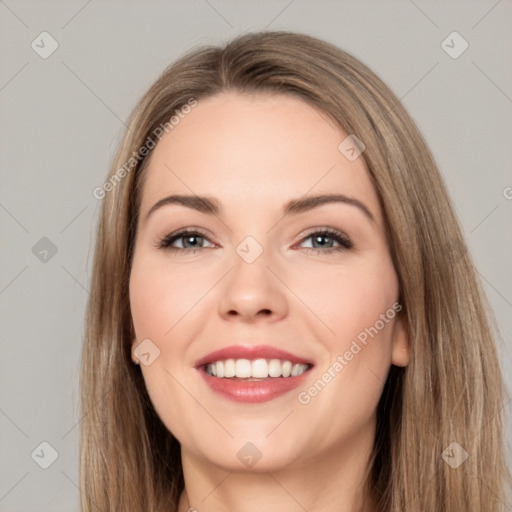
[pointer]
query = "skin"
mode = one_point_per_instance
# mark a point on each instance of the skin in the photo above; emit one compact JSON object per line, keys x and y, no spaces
{"x":254,"y":153}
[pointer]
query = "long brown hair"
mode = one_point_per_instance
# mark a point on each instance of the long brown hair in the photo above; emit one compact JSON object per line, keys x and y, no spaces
{"x":446,"y":403}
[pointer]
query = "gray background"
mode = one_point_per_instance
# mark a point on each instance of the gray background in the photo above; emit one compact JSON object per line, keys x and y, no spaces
{"x":61,"y":119}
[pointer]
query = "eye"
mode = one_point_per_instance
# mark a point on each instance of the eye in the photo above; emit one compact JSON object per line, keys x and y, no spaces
{"x":188,"y":237}
{"x":319,"y":237}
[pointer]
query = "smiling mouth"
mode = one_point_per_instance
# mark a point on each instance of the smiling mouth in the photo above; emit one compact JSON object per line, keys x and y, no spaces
{"x":255,"y":370}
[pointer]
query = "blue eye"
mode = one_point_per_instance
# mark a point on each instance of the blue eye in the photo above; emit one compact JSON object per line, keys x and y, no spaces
{"x":334,"y":235}
{"x":186,"y":236}
{"x":189,"y":237}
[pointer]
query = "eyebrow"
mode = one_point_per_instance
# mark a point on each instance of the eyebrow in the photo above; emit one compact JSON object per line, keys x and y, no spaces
{"x":211,"y":206}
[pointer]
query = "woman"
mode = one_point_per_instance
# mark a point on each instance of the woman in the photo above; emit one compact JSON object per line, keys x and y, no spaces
{"x":322,"y":343}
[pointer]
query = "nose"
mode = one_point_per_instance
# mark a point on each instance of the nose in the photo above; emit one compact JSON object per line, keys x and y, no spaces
{"x":253,"y":292}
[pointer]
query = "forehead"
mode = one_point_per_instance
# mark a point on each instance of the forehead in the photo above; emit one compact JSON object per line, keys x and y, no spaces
{"x":255,"y":150}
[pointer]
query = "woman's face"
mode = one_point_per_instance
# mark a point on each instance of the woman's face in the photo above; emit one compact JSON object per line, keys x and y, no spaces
{"x":256,"y":273}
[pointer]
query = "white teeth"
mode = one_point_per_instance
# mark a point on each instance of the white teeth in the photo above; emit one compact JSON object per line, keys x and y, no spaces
{"x":274,"y":368}
{"x":229,"y":368}
{"x":242,"y":368}
{"x":260,"y":369}
{"x":256,"y":369}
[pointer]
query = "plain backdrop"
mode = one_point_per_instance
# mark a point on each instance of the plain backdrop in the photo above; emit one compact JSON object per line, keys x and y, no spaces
{"x":62,"y":117}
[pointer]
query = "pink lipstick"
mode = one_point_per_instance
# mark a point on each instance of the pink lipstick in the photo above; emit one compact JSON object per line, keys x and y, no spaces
{"x":253,"y":374}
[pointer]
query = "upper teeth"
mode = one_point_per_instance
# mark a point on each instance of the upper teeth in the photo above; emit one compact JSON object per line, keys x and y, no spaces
{"x":259,"y":368}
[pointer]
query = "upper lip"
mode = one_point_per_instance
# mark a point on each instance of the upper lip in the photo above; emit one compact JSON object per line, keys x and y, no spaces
{"x":250,"y":352}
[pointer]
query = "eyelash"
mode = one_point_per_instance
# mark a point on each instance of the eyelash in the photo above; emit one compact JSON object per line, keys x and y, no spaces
{"x":338,"y":236}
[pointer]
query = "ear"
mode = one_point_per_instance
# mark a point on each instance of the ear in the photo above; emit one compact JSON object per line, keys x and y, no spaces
{"x":401,"y":343}
{"x":133,"y":337}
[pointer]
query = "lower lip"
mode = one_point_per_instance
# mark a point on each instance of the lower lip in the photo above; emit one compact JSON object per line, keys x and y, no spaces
{"x":255,"y":391}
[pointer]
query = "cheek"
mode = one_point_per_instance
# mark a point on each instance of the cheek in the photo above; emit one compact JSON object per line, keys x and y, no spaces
{"x":161,"y":295}
{"x":162,"y":307}
{"x":351,"y":299}
{"x":359,"y":307}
